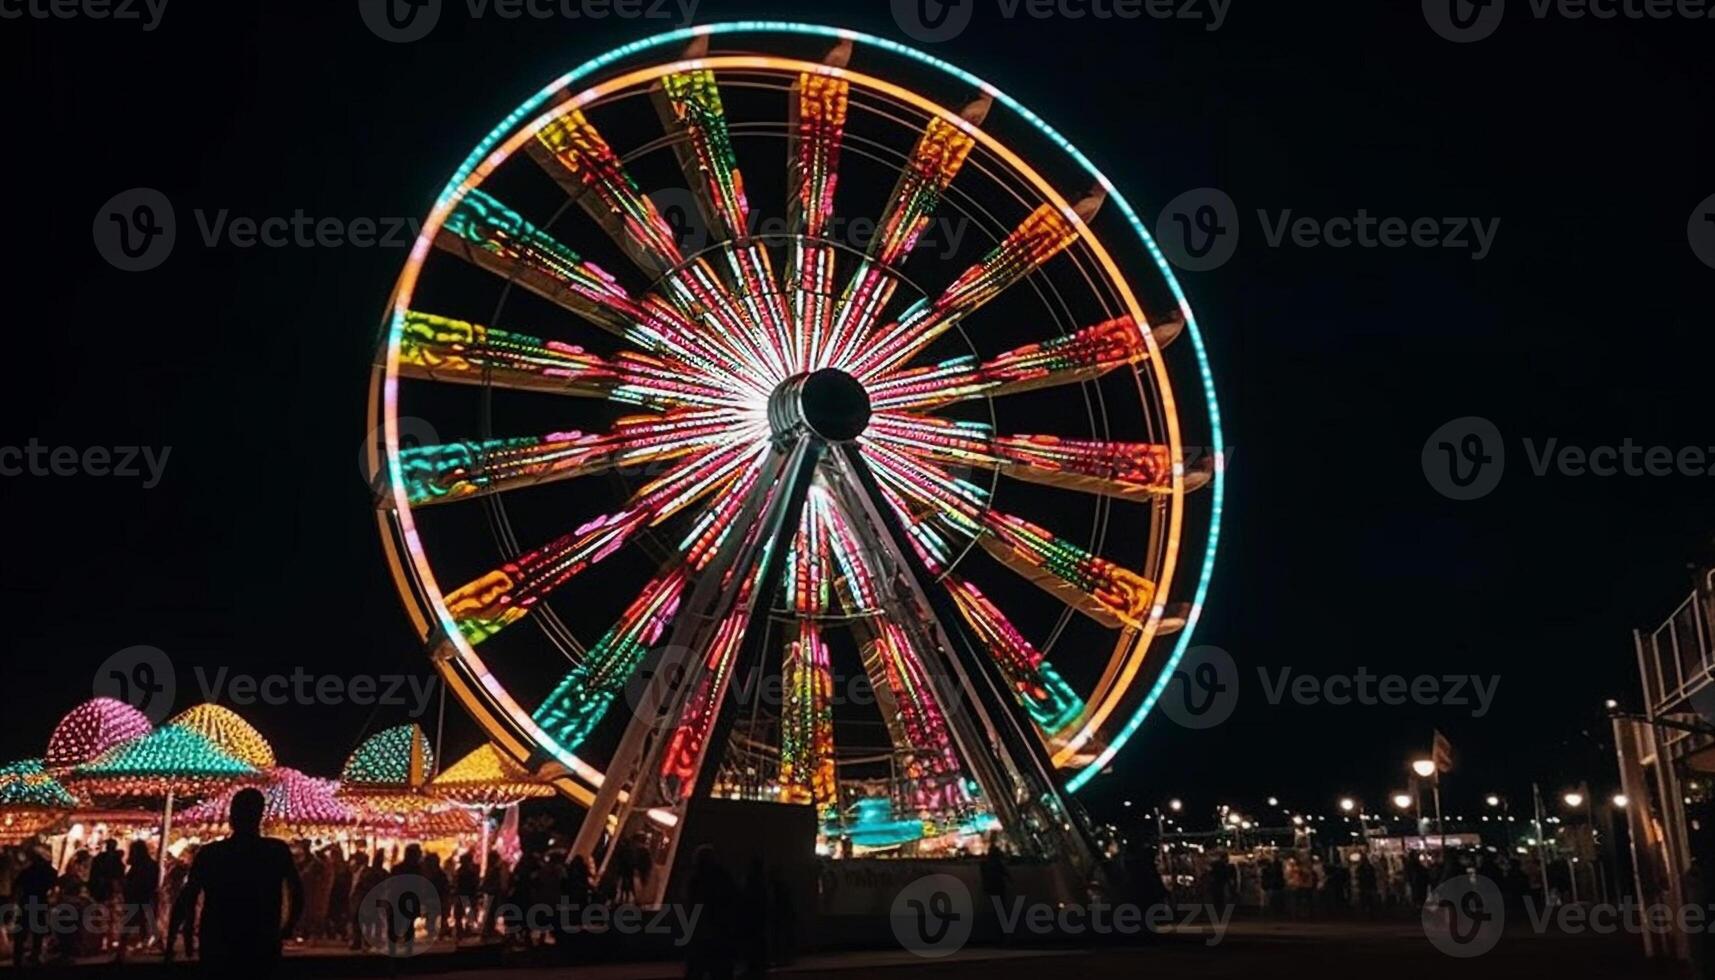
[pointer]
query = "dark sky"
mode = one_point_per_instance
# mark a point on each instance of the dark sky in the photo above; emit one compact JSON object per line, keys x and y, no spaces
{"x":1588,"y":322}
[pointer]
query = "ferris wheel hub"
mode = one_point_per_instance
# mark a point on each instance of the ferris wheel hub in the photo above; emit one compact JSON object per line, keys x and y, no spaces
{"x":828,"y":403}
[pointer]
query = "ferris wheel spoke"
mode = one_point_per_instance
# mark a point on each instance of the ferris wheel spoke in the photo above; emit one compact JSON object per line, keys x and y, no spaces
{"x":442,"y":349}
{"x":582,"y":698}
{"x":1082,"y":356}
{"x":1106,"y":592}
{"x":689,"y":104}
{"x":444,"y":472}
{"x":807,"y":773}
{"x":935,"y":160}
{"x":815,"y":132}
{"x":1051,"y":702}
{"x":1127,"y":470}
{"x":488,"y":234}
{"x":1040,"y":237}
{"x":580,"y":160}
{"x":500,"y":598}
{"x":807,"y":714}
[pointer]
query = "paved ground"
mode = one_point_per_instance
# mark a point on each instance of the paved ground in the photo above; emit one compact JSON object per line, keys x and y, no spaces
{"x":1393,"y":950}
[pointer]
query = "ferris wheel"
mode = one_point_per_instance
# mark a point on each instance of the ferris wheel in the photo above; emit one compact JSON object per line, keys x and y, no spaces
{"x":775,"y":350}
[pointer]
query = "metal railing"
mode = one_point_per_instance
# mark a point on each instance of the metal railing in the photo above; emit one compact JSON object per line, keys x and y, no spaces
{"x":1678,"y":655}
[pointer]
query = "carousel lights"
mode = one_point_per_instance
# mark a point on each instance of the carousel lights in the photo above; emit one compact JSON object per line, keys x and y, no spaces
{"x":92,"y":728}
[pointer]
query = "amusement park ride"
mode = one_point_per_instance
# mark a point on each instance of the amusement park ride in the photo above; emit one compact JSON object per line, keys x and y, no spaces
{"x":811,"y":451}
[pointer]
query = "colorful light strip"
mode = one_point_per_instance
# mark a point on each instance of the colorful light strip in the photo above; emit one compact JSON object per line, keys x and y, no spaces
{"x":1082,"y":356}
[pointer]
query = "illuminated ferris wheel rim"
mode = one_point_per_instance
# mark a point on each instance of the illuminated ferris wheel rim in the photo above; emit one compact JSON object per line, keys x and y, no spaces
{"x":465,"y":667}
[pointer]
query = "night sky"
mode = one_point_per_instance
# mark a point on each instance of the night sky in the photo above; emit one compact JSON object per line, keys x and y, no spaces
{"x":1587,"y":322}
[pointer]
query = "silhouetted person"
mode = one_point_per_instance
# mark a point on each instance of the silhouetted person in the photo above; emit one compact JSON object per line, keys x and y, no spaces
{"x":364,"y":925}
{"x":465,"y":891}
{"x":713,"y":894}
{"x":995,"y":879}
{"x":753,"y":919}
{"x":139,"y":887}
{"x":30,"y":891}
{"x":241,"y":927}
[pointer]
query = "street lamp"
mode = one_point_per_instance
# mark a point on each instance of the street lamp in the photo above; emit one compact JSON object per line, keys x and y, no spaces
{"x":1424,"y":768}
{"x":1574,"y":799}
{"x":1175,"y":805}
{"x":1402,"y":800}
{"x":1621,"y":801}
{"x":1492,"y":800}
{"x":1347,"y":806}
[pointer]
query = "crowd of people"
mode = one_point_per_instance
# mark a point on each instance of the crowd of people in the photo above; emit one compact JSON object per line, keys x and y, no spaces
{"x":1303,"y":883}
{"x":242,"y":899}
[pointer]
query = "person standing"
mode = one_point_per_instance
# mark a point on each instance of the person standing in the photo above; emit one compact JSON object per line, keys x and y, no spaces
{"x":363,"y":932}
{"x":243,"y":876}
{"x":31,"y":890}
{"x":339,"y":893}
{"x":466,"y":888}
{"x":709,"y":953}
{"x":138,"y":888}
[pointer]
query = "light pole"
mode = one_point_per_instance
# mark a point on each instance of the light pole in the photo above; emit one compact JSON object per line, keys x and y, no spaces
{"x":1427,"y":769}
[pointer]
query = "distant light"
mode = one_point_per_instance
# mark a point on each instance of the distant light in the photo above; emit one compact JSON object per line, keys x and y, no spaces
{"x":1298,"y":821}
{"x":1610,"y":704}
{"x":1348,"y":805}
{"x":1234,"y":819}
{"x":1424,"y":767}
{"x":1574,"y":800}
{"x":1493,"y":800}
{"x":1402,"y":800}
{"x":1274,"y":801}
{"x":1175,"y":805}
{"x":1126,"y":803}
{"x":1621,"y":801}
